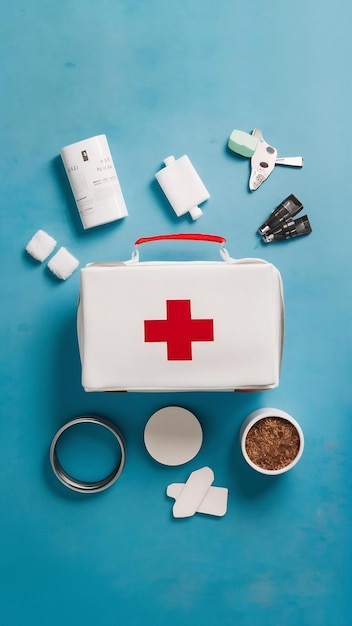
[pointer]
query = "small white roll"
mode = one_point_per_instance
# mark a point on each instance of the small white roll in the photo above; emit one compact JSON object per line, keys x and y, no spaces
{"x":63,"y":264}
{"x":41,"y":245}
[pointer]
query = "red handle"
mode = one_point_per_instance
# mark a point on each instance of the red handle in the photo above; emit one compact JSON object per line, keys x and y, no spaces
{"x":183,"y":236}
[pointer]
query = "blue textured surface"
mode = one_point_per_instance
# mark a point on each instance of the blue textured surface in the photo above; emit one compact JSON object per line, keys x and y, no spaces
{"x":164,"y":78}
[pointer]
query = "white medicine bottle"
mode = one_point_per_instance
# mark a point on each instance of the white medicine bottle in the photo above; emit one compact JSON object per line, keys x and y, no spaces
{"x":94,"y":182}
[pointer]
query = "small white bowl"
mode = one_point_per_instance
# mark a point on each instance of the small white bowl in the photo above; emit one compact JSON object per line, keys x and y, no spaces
{"x":255,"y":417}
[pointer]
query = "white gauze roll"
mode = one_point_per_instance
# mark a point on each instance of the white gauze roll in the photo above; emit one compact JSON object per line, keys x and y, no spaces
{"x":63,"y":264}
{"x":41,"y":245}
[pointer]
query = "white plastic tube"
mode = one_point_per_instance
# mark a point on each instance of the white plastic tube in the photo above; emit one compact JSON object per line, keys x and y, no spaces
{"x":182,"y":186}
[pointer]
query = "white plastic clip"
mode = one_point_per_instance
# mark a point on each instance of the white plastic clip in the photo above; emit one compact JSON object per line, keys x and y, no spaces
{"x":263,"y":156}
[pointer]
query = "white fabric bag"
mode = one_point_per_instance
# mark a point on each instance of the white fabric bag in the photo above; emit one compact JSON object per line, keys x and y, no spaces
{"x":181,"y":325}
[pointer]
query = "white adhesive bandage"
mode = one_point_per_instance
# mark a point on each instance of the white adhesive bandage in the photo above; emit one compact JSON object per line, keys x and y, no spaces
{"x":198,"y":496}
{"x":63,"y":264}
{"x":41,"y":245}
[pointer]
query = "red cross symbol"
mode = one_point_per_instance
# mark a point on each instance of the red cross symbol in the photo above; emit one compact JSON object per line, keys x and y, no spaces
{"x":178,"y":330}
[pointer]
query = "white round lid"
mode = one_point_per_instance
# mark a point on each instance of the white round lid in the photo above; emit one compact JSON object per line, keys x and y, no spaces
{"x":173,"y":435}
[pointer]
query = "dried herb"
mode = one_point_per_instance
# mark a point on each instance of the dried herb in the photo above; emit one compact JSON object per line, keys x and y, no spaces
{"x":272,"y":443}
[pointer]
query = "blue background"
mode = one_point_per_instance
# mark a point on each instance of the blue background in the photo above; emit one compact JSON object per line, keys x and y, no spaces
{"x":161,"y":78}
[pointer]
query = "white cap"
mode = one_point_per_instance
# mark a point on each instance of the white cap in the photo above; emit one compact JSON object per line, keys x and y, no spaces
{"x":195,"y":212}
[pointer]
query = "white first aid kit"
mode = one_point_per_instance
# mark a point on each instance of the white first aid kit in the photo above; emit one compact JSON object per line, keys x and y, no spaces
{"x":181,"y":325}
